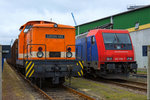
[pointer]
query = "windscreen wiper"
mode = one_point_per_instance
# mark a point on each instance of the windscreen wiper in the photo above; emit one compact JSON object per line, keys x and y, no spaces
{"x":118,"y":41}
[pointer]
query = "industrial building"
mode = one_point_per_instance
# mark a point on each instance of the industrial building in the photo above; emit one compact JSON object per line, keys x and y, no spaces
{"x":136,"y":21}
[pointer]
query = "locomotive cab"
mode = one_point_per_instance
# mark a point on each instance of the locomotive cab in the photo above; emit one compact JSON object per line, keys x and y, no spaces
{"x":119,"y":53}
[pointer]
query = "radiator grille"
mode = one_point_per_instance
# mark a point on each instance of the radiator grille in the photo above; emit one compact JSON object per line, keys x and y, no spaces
{"x":54,"y":54}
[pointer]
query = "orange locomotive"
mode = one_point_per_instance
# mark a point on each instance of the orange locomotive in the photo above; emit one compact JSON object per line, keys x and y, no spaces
{"x":46,"y":50}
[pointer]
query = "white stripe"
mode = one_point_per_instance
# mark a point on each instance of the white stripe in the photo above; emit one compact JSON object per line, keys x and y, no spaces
{"x":73,"y":54}
{"x":63,"y":54}
{"x":20,"y":56}
{"x":34,"y":54}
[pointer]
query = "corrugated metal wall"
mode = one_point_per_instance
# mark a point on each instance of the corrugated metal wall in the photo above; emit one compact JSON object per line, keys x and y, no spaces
{"x":86,"y":27}
{"x":129,"y":19}
{"x":121,"y":21}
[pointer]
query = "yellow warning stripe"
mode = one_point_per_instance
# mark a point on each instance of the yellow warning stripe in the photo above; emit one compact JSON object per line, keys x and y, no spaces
{"x":82,"y":72}
{"x":28,"y":65}
{"x":77,"y":64}
{"x":81,"y":64}
{"x":26,"y":62}
{"x":29,"y":69}
{"x":31,"y":73}
{"x":79,"y":74}
{"x":141,"y":27}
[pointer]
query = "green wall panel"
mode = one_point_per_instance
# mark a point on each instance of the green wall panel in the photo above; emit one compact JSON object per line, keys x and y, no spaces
{"x":129,"y":19}
{"x":84,"y":28}
{"x":121,"y":21}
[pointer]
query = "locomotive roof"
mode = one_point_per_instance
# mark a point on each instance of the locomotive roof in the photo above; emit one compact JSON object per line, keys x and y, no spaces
{"x":45,"y":24}
{"x":35,"y":22}
{"x":93,"y":32}
{"x":82,"y":35}
{"x":52,"y":25}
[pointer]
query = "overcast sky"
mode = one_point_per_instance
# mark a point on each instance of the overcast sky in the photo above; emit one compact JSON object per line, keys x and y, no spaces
{"x":14,"y":13}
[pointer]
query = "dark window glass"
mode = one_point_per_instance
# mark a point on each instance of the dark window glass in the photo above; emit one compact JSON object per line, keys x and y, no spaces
{"x":116,"y":38}
{"x":123,"y":38}
{"x":92,"y":39}
{"x":27,"y":28}
{"x":117,"y":41}
{"x":144,"y":50}
{"x":109,"y":38}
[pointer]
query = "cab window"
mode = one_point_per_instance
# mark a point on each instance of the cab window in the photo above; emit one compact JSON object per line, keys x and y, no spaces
{"x":27,"y":28}
{"x":92,"y":39}
{"x":21,"y":28}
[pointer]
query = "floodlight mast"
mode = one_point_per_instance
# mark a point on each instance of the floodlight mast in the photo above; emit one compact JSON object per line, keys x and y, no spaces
{"x":75,"y":23}
{"x":74,"y":19}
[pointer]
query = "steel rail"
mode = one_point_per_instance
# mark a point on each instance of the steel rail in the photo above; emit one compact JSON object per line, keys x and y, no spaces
{"x":34,"y":86}
{"x":128,"y":86}
{"x":140,"y":75}
{"x":139,"y":83}
{"x":49,"y":97}
{"x":79,"y":93}
{"x":125,"y":84}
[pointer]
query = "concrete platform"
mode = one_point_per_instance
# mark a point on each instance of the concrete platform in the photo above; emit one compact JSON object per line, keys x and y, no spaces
{"x":16,"y":88}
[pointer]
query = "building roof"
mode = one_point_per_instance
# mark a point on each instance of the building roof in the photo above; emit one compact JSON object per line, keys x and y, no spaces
{"x":147,"y":6}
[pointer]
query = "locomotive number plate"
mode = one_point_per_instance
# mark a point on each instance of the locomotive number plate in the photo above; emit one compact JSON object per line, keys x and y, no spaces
{"x":55,"y":36}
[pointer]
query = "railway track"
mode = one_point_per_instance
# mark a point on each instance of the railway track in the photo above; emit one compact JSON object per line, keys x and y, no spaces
{"x":140,"y":75}
{"x":65,"y":93}
{"x":123,"y":83}
{"x":129,"y":84}
{"x":58,"y":93}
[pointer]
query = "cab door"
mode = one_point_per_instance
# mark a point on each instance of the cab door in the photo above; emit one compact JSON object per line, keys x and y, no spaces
{"x":92,"y":53}
{"x":89,"y":49}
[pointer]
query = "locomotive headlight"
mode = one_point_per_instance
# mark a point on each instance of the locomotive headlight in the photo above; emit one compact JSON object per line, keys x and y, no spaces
{"x":55,"y":25}
{"x":109,"y":58}
{"x":118,"y":47}
{"x":69,"y":54}
{"x":129,"y":58}
{"x":40,"y":54}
